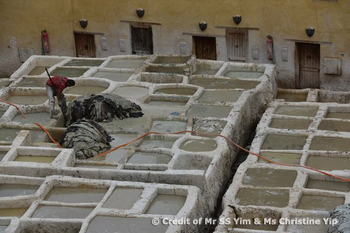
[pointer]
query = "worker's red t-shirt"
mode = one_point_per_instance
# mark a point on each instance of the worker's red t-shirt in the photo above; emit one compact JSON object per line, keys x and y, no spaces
{"x":59,"y":83}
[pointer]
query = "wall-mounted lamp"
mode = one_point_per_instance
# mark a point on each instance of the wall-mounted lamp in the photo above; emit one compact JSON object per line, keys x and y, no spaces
{"x":237,"y":19}
{"x":140,"y":12}
{"x":83,"y":23}
{"x":203,"y":25}
{"x":310,"y":31}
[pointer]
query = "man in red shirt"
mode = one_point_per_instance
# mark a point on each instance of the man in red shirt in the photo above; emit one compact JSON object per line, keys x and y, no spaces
{"x":55,"y":87}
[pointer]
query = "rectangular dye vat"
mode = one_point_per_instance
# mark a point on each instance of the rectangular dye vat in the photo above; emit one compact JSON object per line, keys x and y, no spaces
{"x":32,"y":82}
{"x":114,"y":76}
{"x":319,"y":202}
{"x":338,"y":115}
{"x":61,"y":212}
{"x":283,"y":142}
{"x":76,"y":194}
{"x":38,"y":70}
{"x":334,"y":125}
{"x":290,"y":123}
{"x":328,"y":163}
{"x":331,"y":185}
{"x":263,"y":197}
{"x":330,"y":144}
{"x":123,"y":198}
{"x":126,"y":63}
{"x":164,"y":204}
{"x":84,"y":62}
{"x":296,"y":111}
{"x":201,"y":110}
{"x":68,"y":72}
{"x":217,"y":83}
{"x":220,"y":96}
{"x":269,"y":177}
{"x":13,"y":212}
{"x":280,"y":157}
{"x":243,"y":74}
{"x":160,"y":78}
{"x":9,"y":190}
{"x":292,"y":96}
{"x":27,"y":99}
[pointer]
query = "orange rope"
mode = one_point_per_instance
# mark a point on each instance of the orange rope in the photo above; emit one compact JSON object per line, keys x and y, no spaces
{"x":48,"y":134}
{"x":235,"y":144}
{"x":2,"y":100}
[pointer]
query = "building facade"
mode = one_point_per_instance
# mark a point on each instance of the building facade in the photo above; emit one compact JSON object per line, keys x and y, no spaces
{"x":308,"y":40}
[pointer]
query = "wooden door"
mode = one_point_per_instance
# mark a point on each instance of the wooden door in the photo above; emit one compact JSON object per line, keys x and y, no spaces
{"x":141,"y":40}
{"x":85,"y":45}
{"x":205,"y":47}
{"x":237,"y":45}
{"x":308,"y":65}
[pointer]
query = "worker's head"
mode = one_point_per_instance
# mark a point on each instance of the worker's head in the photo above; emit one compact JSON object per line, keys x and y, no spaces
{"x":70,"y":82}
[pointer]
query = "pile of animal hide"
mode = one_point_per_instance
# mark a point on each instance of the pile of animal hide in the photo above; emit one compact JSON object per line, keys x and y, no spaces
{"x":340,"y":217}
{"x":87,"y":138}
{"x":103,"y":107}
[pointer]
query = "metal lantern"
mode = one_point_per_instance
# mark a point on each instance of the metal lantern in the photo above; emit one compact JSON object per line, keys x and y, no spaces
{"x":83,"y":23}
{"x":237,"y":19}
{"x":203,"y":25}
{"x":140,"y":12}
{"x":310,"y":31}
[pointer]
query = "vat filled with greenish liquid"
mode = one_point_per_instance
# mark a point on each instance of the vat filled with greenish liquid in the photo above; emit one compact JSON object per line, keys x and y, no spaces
{"x":166,"y":204}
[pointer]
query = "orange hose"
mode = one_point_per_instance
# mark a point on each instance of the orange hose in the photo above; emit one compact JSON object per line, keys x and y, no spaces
{"x":235,"y":144}
{"x":48,"y":134}
{"x":2,"y":100}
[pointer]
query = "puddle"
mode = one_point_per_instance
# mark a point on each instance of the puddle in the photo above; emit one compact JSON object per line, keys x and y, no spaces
{"x":340,"y":115}
{"x":83,"y":90}
{"x":27,"y":99}
{"x":281,"y":157}
{"x":8,"y":190}
{"x":283,"y":142}
{"x":108,"y":224}
{"x":113,"y":76}
{"x":176,"y":91}
{"x":216,"y":83}
{"x":34,"y":159}
{"x":123,"y":198}
{"x":168,"y":126}
{"x":155,"y":143}
{"x":220,"y":96}
{"x":38,"y":70}
{"x":263,"y":197}
{"x":32,"y":82}
{"x":296,"y":111}
{"x":328,"y":185}
{"x":320,"y":203}
{"x":166,"y":204}
{"x":269,"y":177}
{"x":209,"y":126}
{"x":149,"y":158}
{"x":198,"y":110}
{"x":62,"y":212}
{"x":292,"y":97}
{"x":126,"y":63}
{"x":332,"y":125}
{"x":84,"y":62}
{"x":41,"y":117}
{"x":196,"y":145}
{"x":12,"y":212}
{"x":328,"y":163}
{"x":330,"y":144}
{"x":68,"y":72}
{"x":284,"y":123}
{"x":76,"y":195}
{"x":244,"y":74}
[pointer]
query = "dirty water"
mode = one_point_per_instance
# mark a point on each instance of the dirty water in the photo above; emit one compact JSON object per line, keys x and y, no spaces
{"x":168,"y":126}
{"x":320,"y":203}
{"x":244,"y":74}
{"x":198,"y":145}
{"x":123,"y":198}
{"x":288,"y":123}
{"x":338,"y":186}
{"x":82,"y":90}
{"x":330,"y":144}
{"x":12,"y":212}
{"x":176,"y":91}
{"x":166,"y":204}
{"x":68,"y":72}
{"x":34,"y":159}
{"x":8,"y":190}
{"x":149,"y":158}
{"x":216,"y":83}
{"x":32,"y":82}
{"x":76,"y":194}
{"x":280,"y":157}
{"x":339,"y":115}
{"x":263,"y":197}
{"x":155,"y":143}
{"x":27,"y":99}
{"x":328,"y":163}
{"x":283,"y":142}
{"x":107,"y":224}
{"x":201,"y":110}
{"x":269,"y":177}
{"x":38,"y":70}
{"x":292,"y":97}
{"x":126,"y":63}
{"x":40,"y":117}
{"x":331,"y":125}
{"x":84,"y":62}
{"x":61,"y":212}
{"x":220,"y":96}
{"x":206,"y":71}
{"x":113,"y":76}
{"x":296,"y":111}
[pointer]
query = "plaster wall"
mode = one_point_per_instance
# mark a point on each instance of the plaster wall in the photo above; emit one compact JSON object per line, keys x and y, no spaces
{"x":175,"y":22}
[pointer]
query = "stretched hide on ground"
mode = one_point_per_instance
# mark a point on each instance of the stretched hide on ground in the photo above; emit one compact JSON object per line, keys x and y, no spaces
{"x":102,"y":107}
{"x":87,"y":138}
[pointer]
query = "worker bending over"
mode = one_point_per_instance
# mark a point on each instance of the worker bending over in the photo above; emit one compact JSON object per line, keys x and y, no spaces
{"x":55,"y":87}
